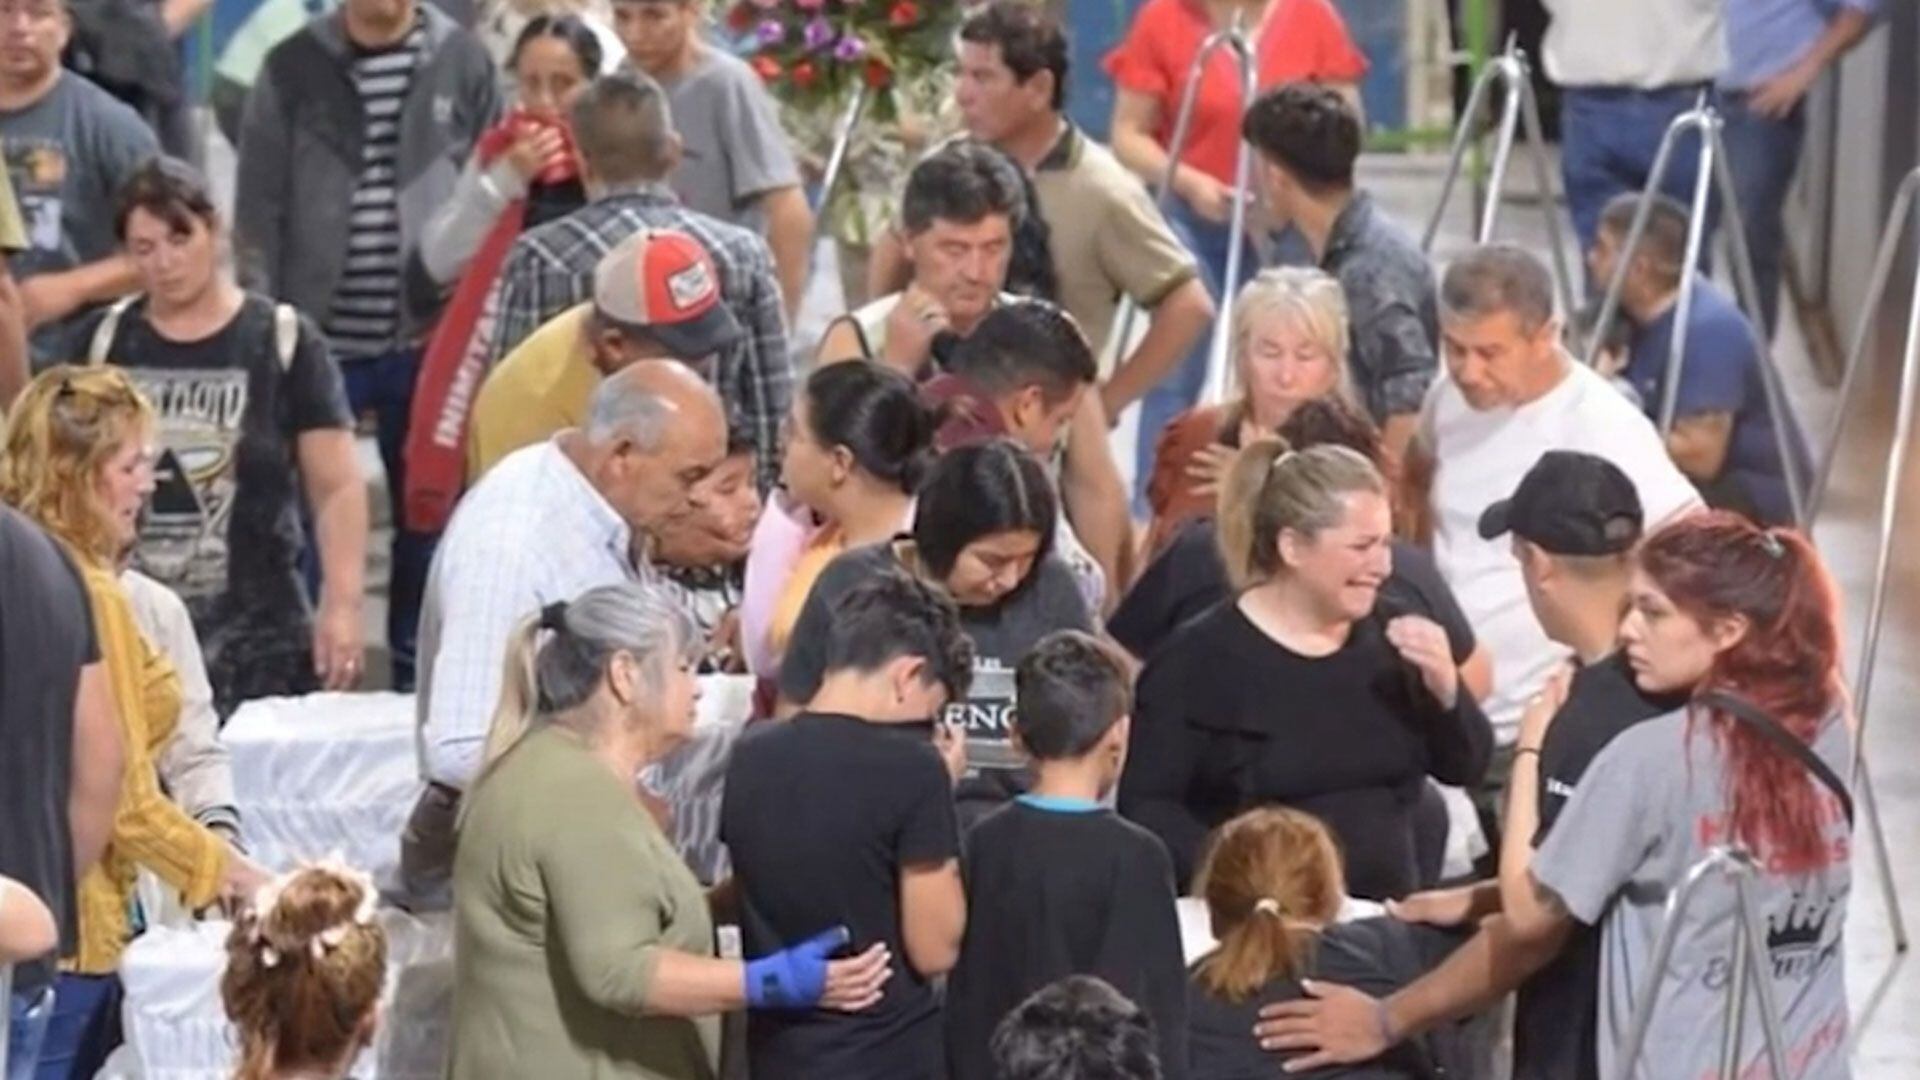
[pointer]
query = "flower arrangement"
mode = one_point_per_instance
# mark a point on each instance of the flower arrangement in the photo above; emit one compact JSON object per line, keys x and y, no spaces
{"x":812,"y":53}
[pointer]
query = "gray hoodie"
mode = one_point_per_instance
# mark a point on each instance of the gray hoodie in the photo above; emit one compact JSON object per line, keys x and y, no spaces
{"x":300,"y":147}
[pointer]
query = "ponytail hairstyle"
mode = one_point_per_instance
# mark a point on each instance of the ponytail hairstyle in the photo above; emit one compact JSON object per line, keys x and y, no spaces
{"x":558,"y":656}
{"x":876,"y":414}
{"x":1715,"y":565}
{"x":62,"y":431}
{"x":1270,"y":489}
{"x":304,"y":972}
{"x":1271,"y":879}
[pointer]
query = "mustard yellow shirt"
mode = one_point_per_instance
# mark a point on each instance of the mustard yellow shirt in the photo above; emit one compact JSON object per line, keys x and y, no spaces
{"x":539,"y":388}
{"x":148,"y":828}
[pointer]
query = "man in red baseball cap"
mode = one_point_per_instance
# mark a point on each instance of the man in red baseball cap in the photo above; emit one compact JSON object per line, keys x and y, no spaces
{"x":656,"y":296}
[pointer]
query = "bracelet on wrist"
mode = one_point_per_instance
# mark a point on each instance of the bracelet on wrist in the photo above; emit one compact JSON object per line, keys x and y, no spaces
{"x":1384,"y":1017}
{"x":1522,"y":750}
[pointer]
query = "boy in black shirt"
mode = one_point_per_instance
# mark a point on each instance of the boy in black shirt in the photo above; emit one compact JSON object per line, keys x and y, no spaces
{"x":1058,"y":884}
{"x":846,"y":812}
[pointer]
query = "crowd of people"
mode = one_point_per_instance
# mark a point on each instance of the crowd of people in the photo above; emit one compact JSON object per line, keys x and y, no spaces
{"x":1421,"y":580}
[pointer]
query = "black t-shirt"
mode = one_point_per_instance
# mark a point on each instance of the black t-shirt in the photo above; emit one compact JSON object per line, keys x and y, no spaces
{"x":820,"y":814}
{"x":1188,"y":578}
{"x":1555,"y":1023}
{"x":1058,"y":892}
{"x":1226,"y":718}
{"x":223,"y":526}
{"x":1377,"y":956}
{"x":46,"y":637}
{"x":1047,"y":601}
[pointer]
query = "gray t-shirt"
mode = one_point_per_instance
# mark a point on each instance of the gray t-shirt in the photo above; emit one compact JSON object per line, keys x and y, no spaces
{"x":733,"y":147}
{"x":1651,"y":806}
{"x":46,"y":637}
{"x":67,"y":155}
{"x":1049,"y":600}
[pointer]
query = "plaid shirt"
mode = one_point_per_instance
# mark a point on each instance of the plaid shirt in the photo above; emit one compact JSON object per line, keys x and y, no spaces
{"x":550,"y":269}
{"x":532,"y":532}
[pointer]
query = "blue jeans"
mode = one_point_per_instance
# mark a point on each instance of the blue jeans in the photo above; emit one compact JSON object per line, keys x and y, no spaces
{"x":27,"y":1014}
{"x":84,"y":1027}
{"x":1608,"y":139}
{"x":383,"y":385}
{"x":1210,"y":243}
{"x":1762,"y":154}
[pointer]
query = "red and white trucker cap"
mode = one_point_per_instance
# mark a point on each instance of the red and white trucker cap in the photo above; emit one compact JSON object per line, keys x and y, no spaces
{"x":662,"y":283}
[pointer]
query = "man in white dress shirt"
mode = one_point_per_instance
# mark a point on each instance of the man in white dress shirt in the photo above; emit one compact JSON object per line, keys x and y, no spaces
{"x":545,"y":524}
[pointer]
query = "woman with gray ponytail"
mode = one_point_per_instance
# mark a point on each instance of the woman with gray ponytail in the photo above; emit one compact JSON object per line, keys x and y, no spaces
{"x":1301,"y":691}
{"x":584,"y":944}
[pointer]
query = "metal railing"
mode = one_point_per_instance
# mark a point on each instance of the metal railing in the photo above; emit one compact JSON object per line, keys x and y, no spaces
{"x":1511,"y":71}
{"x":1219,"y":366}
{"x":6,"y":1022}
{"x":1868,"y":659}
{"x":1805,"y":497}
{"x":1710,"y":171}
{"x":837,"y":154}
{"x":1749,"y":956}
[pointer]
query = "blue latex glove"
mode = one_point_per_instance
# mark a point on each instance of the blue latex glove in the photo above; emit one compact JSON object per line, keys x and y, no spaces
{"x":795,"y":977}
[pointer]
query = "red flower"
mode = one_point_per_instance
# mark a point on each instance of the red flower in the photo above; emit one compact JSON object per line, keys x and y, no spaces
{"x":903,"y":14}
{"x":740,"y":17}
{"x":766,"y":67}
{"x":878,"y":75}
{"x":804,"y":74}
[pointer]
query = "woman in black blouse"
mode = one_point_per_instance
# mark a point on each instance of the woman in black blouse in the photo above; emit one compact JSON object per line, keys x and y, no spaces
{"x":1302,"y":692}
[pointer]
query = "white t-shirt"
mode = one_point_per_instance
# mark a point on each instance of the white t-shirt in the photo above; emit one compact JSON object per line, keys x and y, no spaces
{"x":1482,"y":456}
{"x":1638,"y":43}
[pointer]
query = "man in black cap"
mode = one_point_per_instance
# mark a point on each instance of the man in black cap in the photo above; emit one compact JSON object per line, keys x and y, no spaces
{"x":1574,"y":522}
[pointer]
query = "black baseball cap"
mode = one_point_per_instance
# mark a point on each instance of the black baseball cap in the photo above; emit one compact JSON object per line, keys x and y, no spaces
{"x":1570,"y":503}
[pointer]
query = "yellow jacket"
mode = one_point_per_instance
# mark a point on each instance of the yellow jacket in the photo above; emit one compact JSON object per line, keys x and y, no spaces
{"x":148,"y":829}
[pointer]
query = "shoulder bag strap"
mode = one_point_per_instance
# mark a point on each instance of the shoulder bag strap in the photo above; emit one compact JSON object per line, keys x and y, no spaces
{"x":860,"y":335}
{"x":1783,"y":740}
{"x":286,"y":334}
{"x":101,"y":346}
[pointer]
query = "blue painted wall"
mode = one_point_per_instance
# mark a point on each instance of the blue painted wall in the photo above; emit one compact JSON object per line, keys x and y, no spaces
{"x":1379,"y":27}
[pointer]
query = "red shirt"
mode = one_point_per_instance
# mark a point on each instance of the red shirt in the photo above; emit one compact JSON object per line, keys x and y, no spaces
{"x":1301,"y":41}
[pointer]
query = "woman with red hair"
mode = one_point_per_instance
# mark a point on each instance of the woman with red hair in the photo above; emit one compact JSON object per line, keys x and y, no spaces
{"x":1743,"y":620}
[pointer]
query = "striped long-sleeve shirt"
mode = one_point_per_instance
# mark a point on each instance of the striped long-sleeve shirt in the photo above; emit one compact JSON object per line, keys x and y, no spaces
{"x":365,"y":313}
